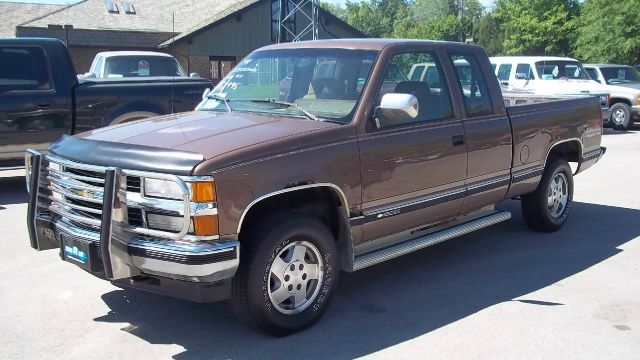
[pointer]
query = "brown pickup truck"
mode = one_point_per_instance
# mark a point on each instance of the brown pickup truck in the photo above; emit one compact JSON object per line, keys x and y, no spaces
{"x":307,"y":160}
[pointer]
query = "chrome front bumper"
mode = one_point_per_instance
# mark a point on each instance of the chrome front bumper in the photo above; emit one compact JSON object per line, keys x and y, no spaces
{"x":116,"y":252}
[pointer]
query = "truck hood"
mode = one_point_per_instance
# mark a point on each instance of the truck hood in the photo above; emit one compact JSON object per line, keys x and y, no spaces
{"x":627,"y":87}
{"x":208,"y":133}
{"x":569,"y":87}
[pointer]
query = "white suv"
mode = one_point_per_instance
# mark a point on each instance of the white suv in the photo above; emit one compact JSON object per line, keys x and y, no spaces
{"x":624,"y":84}
{"x":547,"y":75}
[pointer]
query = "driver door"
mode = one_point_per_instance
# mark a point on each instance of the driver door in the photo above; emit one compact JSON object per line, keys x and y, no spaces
{"x":413,"y":172}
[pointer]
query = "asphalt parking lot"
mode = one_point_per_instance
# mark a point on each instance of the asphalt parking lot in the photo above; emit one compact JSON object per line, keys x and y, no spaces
{"x":501,"y":293}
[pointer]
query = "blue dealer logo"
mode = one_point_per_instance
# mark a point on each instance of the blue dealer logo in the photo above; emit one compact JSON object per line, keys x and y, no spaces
{"x":76,"y":254}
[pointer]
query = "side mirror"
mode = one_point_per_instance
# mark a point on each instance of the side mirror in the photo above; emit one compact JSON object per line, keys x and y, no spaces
{"x":195,"y":75}
{"x":206,"y":93}
{"x":396,"y":108}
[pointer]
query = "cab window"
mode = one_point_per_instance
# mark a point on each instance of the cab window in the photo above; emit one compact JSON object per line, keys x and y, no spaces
{"x":434,"y":102}
{"x":504,"y":71}
{"x":524,"y":72}
{"x":23,"y":68}
{"x":472,"y":85}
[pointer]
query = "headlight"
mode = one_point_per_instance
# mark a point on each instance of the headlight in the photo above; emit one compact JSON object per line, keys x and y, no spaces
{"x":604,"y":99}
{"x":162,"y":189}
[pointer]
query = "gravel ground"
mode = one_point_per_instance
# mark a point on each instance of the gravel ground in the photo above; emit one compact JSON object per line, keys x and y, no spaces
{"x":501,"y":293}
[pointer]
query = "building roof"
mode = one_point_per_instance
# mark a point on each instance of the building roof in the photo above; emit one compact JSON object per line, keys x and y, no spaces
{"x":167,"y":16}
{"x":13,"y":14}
{"x":234,"y":8}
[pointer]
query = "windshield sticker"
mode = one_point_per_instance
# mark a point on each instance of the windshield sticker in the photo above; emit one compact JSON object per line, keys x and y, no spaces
{"x":143,"y":68}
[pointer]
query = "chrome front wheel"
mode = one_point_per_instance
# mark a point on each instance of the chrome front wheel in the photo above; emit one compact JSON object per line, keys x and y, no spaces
{"x":288,"y":271}
{"x":294,"y":277}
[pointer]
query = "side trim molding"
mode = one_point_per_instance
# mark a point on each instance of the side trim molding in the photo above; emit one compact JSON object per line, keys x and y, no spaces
{"x":432,"y":200}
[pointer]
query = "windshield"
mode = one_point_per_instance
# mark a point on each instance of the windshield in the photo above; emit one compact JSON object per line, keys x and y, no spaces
{"x":620,"y":75}
{"x":324,"y":82}
{"x":141,"y":66}
{"x":561,"y":69}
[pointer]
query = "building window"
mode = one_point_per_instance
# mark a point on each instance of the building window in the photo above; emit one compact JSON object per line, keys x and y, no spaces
{"x":111,"y":6}
{"x":290,"y":23}
{"x":128,"y":8}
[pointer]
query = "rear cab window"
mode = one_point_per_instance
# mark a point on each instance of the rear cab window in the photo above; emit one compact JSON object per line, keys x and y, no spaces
{"x":472,"y":85}
{"x":504,"y":71}
{"x":593,"y":73}
{"x":24,"y":68}
{"x":524,"y":71}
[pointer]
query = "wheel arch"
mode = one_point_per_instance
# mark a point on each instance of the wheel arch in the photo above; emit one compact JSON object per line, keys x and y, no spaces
{"x":568,"y":149}
{"x":615,"y":100}
{"x":133,"y":115}
{"x":325,"y":201}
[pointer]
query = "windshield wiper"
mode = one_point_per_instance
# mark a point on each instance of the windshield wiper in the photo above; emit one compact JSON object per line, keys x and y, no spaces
{"x":286,"y":103}
{"x":221,"y":98}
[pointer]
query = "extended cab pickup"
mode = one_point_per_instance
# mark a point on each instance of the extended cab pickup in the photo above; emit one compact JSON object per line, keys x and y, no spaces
{"x":268,"y":191}
{"x":548,"y":76}
{"x":624,"y":84}
{"x":41,"y":97}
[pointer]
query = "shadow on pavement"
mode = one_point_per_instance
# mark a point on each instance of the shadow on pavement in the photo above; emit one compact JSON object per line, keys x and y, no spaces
{"x":398,"y":300}
{"x":12,"y":191}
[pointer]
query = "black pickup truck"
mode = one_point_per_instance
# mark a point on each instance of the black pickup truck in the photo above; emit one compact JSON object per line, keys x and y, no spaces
{"x":41,"y":97}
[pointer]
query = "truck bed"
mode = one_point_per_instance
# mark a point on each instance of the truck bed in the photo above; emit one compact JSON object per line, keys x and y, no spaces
{"x":539,"y":125}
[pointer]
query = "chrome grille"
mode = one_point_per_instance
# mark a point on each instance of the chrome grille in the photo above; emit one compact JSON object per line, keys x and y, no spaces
{"x":74,"y":191}
{"x":133,"y":184}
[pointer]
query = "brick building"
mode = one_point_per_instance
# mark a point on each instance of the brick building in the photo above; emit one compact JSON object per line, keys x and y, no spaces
{"x":207,"y":36}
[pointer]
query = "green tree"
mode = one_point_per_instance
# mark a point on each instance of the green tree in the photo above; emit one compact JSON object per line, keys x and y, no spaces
{"x":337,"y":10}
{"x":489,"y":34}
{"x":609,"y":32}
{"x":376,"y":18}
{"x":537,"y":27}
{"x":439,"y":19}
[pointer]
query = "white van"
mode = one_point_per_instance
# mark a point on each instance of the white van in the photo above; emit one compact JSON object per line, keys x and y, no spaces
{"x":547,"y":75}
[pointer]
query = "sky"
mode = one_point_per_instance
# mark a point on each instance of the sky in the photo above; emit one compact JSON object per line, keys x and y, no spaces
{"x":485,"y":3}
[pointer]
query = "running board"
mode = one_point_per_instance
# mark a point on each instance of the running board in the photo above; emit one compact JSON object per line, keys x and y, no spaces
{"x":388,"y":253}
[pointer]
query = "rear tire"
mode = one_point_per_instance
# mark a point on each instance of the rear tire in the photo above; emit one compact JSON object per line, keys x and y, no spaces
{"x":288,"y":272}
{"x":620,"y":118}
{"x":548,"y":207}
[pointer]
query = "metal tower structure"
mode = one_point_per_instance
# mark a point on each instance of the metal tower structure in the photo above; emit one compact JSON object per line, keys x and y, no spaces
{"x":297,"y":20}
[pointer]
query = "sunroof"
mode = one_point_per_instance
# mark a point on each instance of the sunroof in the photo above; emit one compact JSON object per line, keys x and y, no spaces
{"x":111,"y":6}
{"x":128,"y":7}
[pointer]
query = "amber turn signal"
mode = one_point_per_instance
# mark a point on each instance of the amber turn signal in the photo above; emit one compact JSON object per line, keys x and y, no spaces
{"x":206,"y":225}
{"x":203,"y":191}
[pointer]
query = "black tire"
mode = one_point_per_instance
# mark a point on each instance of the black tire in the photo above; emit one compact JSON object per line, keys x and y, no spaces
{"x":620,"y":117}
{"x":253,"y":284}
{"x":537,"y":212}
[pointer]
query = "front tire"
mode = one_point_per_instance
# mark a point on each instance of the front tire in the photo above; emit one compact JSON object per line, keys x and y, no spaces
{"x":548,"y":207}
{"x":620,"y":116}
{"x":287,"y":274}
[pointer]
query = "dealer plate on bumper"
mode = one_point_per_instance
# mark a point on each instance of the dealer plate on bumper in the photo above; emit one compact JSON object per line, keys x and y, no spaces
{"x":82,"y":253}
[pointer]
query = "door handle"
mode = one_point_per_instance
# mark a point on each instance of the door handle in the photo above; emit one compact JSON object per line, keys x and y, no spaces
{"x":43,"y":103}
{"x":457,"y":140}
